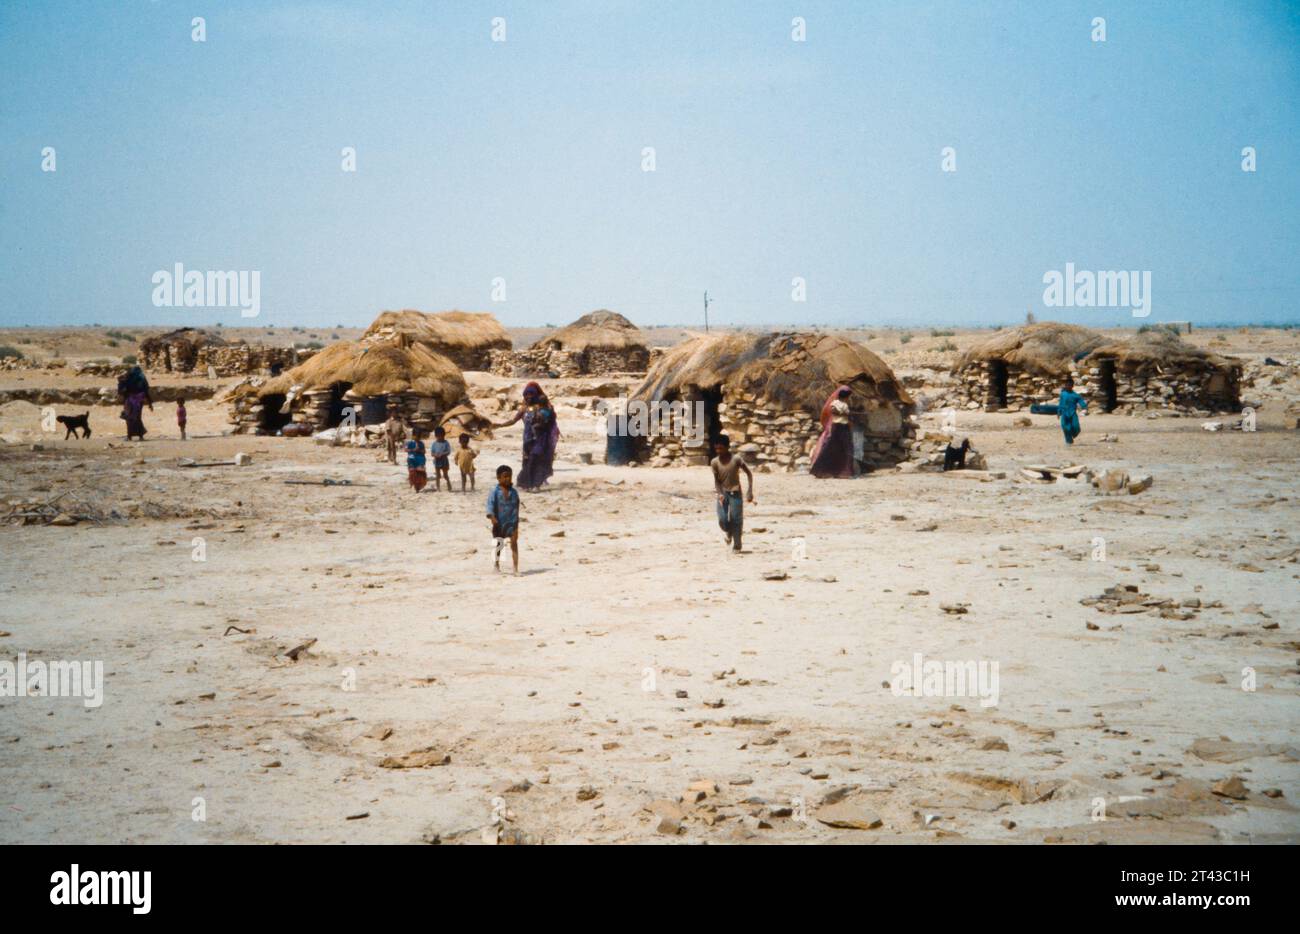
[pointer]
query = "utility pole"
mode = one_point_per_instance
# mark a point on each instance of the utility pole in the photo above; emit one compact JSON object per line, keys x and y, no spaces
{"x":707,"y":300}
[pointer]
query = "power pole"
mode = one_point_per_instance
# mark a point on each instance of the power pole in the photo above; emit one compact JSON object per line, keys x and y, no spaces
{"x":707,"y":300}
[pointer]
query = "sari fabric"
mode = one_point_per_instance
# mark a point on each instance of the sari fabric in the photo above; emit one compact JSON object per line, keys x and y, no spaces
{"x":833,"y":454}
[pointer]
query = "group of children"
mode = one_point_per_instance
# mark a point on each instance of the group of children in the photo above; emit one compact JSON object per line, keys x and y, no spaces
{"x":440,"y":450}
{"x":502,"y":501}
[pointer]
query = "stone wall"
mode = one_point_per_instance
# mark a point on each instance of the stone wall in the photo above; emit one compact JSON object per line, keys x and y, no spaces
{"x":313,"y":409}
{"x":1188,"y":391}
{"x":772,"y":438}
{"x":548,"y":363}
{"x":225,"y":359}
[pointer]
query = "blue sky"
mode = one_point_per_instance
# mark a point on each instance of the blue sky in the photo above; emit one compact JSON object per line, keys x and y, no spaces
{"x":522,"y":160}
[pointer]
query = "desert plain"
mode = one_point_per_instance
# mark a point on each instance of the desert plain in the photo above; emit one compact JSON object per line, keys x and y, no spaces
{"x":637,"y":682}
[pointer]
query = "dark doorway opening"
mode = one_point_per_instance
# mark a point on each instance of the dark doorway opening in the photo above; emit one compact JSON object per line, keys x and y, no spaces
{"x":997,"y":384}
{"x":271,"y":421}
{"x":712,"y":398}
{"x":337,"y":406}
{"x":1106,"y":386}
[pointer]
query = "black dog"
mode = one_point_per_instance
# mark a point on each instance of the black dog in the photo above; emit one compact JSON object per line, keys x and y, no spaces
{"x":73,"y":422}
{"x":955,"y":458}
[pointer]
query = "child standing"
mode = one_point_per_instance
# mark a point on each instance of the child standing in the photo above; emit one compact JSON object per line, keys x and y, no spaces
{"x":440,"y":451}
{"x":465,"y":461}
{"x":727,"y":469}
{"x":181,"y":416}
{"x":1067,"y":408}
{"x":415,"y":461}
{"x":503,"y":515}
{"x":394,"y":431}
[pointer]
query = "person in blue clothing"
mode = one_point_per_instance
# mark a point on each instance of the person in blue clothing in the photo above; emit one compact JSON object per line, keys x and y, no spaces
{"x":440,"y":451}
{"x":1067,"y":409}
{"x":503,"y":514}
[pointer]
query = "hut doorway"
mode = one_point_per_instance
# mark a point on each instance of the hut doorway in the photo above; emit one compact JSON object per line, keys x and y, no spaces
{"x":337,"y":406}
{"x":712,"y":398}
{"x":271,"y":421}
{"x":1106,"y":386}
{"x":997,"y":384}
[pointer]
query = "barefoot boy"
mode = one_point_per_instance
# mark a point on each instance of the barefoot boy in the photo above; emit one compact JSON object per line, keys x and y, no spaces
{"x":440,"y":451}
{"x":503,"y":515}
{"x":465,"y":461}
{"x":727,"y":469}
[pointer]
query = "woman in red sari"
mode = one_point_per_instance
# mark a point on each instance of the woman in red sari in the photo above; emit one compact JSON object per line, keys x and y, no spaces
{"x":833,"y":455}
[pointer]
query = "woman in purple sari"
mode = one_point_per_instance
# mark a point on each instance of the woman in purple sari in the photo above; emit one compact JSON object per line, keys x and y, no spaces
{"x":541,"y":434}
{"x":134,"y":391}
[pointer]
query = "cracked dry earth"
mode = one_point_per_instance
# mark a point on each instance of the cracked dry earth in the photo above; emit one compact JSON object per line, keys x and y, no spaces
{"x":639,"y":684}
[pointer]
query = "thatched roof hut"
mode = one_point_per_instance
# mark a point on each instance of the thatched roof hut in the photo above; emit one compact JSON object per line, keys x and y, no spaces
{"x":600,"y":342}
{"x":376,"y":369}
{"x":177,"y":350}
{"x":1156,"y":368}
{"x":1046,"y":349}
{"x":1012,"y":369}
{"x":792,"y":370}
{"x":467,"y":338}
{"x":596,"y":330}
{"x":766,"y":391}
{"x":367,"y":376}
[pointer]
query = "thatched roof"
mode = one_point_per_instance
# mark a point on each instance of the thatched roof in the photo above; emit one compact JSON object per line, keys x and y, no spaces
{"x":1160,"y":349}
{"x":1046,"y":349}
{"x":793,"y":370}
{"x":444,"y":331}
{"x":375,"y":369}
{"x":194,"y":337}
{"x":597,"y":330}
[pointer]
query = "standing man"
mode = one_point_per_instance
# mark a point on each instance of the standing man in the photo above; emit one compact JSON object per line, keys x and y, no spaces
{"x":727,"y":469}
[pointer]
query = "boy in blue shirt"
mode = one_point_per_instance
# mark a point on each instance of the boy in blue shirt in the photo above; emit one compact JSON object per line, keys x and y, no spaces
{"x":503,"y":515}
{"x":1067,"y":409}
{"x":440,"y":451}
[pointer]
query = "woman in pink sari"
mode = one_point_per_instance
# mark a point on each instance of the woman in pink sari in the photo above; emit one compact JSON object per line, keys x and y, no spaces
{"x":833,"y":455}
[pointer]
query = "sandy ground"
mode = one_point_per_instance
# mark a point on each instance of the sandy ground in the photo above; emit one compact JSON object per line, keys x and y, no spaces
{"x":637,"y":682}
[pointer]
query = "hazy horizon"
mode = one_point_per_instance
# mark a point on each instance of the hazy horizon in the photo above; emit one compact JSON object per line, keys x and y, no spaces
{"x":482,"y":162}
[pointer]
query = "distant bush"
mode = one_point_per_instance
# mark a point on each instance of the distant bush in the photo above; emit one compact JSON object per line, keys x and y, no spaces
{"x":7,"y":351}
{"x":945,"y":347}
{"x":121,"y":336}
{"x":904,"y":338}
{"x":934,"y":332}
{"x":313,"y":345}
{"x":1171,"y":328}
{"x":334,"y":337}
{"x":130,"y":360}
{"x":110,"y":342}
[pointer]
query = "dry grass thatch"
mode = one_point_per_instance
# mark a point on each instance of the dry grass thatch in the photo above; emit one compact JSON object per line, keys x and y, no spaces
{"x":1160,"y":349}
{"x":796,"y":370}
{"x":1046,"y":348}
{"x":445,"y":331}
{"x":598,"y":330}
{"x":193,"y":338}
{"x":376,"y":369}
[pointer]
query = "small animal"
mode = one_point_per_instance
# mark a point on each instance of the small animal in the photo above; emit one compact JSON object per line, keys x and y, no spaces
{"x":955,"y":458}
{"x":73,"y":422}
